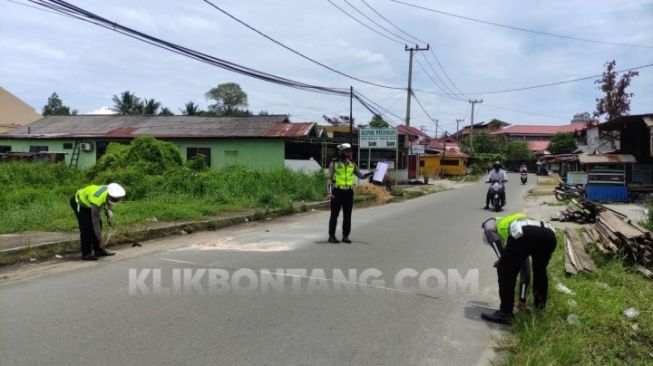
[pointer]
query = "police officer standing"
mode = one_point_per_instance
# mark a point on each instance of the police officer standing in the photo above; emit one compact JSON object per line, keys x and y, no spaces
{"x":524,"y":237}
{"x":340,"y":189}
{"x":87,"y":204}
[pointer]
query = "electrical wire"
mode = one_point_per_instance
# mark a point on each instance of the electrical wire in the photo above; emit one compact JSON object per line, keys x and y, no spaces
{"x":365,"y":25}
{"x":297,"y":52}
{"x":375,"y":23}
{"x":449,"y":91}
{"x":520,"y":28}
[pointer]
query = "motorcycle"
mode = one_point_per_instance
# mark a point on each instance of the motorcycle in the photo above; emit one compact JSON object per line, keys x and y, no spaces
{"x":496,"y":193}
{"x":523,"y":175}
{"x":566,"y":191}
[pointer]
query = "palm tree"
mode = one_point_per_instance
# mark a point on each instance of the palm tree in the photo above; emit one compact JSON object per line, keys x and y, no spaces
{"x":128,"y":103}
{"x":191,"y":109}
{"x":165,"y":111}
{"x":150,"y":106}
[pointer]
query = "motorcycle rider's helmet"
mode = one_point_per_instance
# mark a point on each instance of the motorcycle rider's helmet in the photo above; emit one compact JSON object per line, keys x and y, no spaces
{"x":496,"y":165}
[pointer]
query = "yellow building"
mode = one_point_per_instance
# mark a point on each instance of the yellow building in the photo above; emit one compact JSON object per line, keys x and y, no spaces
{"x":14,"y":112}
{"x":452,"y":163}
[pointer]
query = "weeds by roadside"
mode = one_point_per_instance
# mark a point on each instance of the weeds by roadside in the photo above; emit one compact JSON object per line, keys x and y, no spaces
{"x":603,"y":336}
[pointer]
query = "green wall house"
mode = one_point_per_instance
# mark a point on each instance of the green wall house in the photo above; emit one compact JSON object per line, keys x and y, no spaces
{"x":257,"y":142}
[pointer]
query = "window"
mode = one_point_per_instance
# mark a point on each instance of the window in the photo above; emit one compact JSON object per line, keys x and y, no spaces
{"x":450,"y":162}
{"x":204,"y":151}
{"x":4,"y":149}
{"x":67,"y":145}
{"x":421,"y":163}
{"x":37,"y":148}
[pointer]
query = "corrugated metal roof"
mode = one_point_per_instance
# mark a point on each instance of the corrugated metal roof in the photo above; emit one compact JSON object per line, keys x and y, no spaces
{"x":300,"y":129}
{"x":403,"y":130}
{"x":130,"y":126}
{"x":539,"y":129}
{"x":538,"y":145}
{"x":606,"y":158}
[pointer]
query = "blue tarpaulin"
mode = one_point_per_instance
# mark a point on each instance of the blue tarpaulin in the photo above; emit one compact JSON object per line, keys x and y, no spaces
{"x":607,"y":193}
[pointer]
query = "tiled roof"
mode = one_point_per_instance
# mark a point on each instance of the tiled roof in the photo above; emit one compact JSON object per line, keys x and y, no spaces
{"x":538,"y":145}
{"x":403,"y":130}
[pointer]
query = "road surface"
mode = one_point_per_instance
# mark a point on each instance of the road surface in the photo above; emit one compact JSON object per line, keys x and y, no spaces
{"x":148,"y":310}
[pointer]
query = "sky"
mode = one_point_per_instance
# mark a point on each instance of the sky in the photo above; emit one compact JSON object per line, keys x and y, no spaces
{"x":42,"y":52}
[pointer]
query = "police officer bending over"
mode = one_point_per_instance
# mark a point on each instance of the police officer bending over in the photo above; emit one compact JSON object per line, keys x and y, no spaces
{"x":524,"y":237}
{"x":340,"y":189}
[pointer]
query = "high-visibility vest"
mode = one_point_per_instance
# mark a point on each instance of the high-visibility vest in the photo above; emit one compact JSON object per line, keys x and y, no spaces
{"x":503,"y":224}
{"x":92,"y":195}
{"x":343,"y":174}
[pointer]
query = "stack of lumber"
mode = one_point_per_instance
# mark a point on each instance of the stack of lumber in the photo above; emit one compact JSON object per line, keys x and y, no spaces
{"x":613,"y":233}
{"x":581,"y":211}
{"x":576,"y":259}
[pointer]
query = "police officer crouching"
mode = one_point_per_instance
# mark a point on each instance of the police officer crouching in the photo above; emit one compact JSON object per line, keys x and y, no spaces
{"x":87,"y":204}
{"x":340,"y":189}
{"x":524,"y":237}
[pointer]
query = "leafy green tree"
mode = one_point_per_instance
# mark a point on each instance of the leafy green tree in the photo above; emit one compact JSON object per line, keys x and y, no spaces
{"x":127,"y":103}
{"x":55,"y":107}
{"x":616,"y":102}
{"x":518,"y":151}
{"x":562,"y":143}
{"x":483,"y":143}
{"x":191,"y":109}
{"x":151,"y":106}
{"x":378,"y":122}
{"x":229,"y":98}
{"x":165,"y":111}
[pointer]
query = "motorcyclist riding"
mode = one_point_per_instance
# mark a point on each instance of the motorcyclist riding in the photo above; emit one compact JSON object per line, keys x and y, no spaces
{"x":523,"y":168}
{"x":499,"y":175}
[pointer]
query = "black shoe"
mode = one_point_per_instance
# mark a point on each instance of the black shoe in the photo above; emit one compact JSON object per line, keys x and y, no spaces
{"x":497,"y":317}
{"x":345,"y":239}
{"x":89,"y":257}
{"x":332,"y":239}
{"x":104,"y":253}
{"x":486,"y":207}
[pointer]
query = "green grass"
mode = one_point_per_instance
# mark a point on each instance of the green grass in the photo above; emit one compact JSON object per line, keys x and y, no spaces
{"x":605,"y":336}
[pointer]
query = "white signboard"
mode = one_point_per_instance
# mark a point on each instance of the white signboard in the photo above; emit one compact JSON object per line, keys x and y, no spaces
{"x":593,"y":140}
{"x":417,"y":149}
{"x":377,"y":138}
{"x":379,"y":174}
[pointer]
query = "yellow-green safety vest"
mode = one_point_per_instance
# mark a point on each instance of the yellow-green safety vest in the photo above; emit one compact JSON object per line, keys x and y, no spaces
{"x":92,"y":195}
{"x":503,"y":224}
{"x":343,"y":174}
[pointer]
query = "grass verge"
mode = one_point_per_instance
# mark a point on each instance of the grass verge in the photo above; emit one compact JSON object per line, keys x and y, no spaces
{"x":604,"y":336}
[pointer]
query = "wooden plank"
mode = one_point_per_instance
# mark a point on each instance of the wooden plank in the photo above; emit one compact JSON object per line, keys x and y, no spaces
{"x":619,"y":226}
{"x":582,"y":259}
{"x":645,"y":271}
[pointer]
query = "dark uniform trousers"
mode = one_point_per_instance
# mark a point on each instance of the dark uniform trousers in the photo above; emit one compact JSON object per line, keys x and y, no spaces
{"x":342,"y":198}
{"x":87,"y":236}
{"x":538,"y":242}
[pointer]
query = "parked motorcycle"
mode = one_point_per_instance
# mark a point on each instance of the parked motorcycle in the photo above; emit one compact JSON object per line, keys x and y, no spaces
{"x":566,"y":191}
{"x":523,"y":175}
{"x":496,"y":194}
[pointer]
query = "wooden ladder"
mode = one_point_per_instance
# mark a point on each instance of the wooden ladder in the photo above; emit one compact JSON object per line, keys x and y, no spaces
{"x":74,"y":158}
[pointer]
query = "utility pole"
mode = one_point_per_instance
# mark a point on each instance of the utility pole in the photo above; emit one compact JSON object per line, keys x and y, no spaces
{"x":351,"y":117}
{"x":471,"y":125}
{"x":458,"y":120}
{"x":410,"y":78}
{"x":436,"y":127}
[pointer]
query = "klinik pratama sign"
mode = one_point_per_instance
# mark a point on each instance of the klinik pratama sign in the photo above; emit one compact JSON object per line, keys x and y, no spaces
{"x":377,"y":138}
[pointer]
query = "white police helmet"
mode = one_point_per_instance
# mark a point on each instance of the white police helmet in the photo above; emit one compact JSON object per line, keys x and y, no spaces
{"x":116,"y":191}
{"x":345,"y":146}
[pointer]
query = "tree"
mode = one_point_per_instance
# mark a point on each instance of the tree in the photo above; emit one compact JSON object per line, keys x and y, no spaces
{"x":228,"y":97}
{"x":483,"y":143}
{"x":616,"y":102}
{"x":128,"y":103}
{"x":191,"y":109}
{"x":378,"y":122}
{"x":150,"y":106}
{"x":165,"y":111}
{"x":55,"y":107}
{"x":518,"y":151}
{"x":562,"y":143}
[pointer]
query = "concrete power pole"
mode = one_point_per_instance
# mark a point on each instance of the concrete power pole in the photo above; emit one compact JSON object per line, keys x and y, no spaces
{"x":458,"y":120}
{"x":471,"y":125}
{"x":410,"y":78}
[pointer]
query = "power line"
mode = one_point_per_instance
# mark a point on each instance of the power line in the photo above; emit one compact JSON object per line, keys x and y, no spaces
{"x":558,"y":82}
{"x":297,"y":52}
{"x":419,"y":41}
{"x":442,"y":83}
{"x":520,"y":28}
{"x":375,"y":23}
{"x":363,"y":24}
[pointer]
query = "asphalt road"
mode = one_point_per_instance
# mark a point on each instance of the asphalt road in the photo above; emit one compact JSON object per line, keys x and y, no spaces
{"x":118,"y":312}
